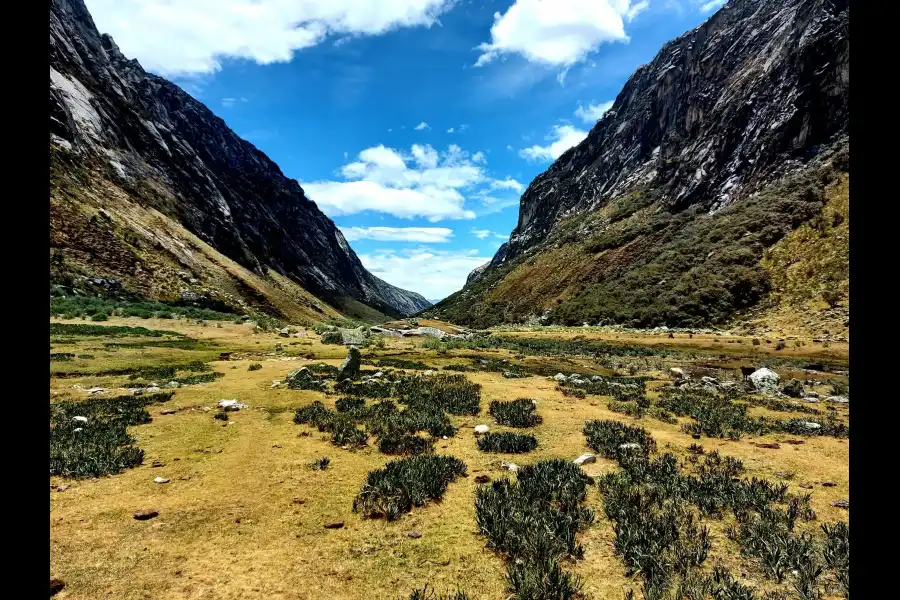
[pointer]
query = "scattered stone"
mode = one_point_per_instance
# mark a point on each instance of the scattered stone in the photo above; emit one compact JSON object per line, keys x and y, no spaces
{"x":560,"y":377}
{"x":841,"y":504}
{"x":80,"y":419}
{"x":62,"y":488}
{"x":334,"y":525}
{"x":230,"y":405}
{"x":838,"y":399}
{"x":479,"y":429}
{"x":629,"y":446}
{"x":770,"y":446}
{"x":350,"y":367}
{"x":96,"y":390}
{"x":585,"y":459}
{"x":158,"y":463}
{"x":225,"y":356}
{"x":709,"y":382}
{"x":56,"y":586}
{"x":160,"y":480}
{"x":794,"y":442}
{"x":510,"y":467}
{"x":764,"y":380}
{"x":185,"y":478}
{"x":286,"y":332}
{"x":276,"y":445}
{"x":153,"y":389}
{"x":414,"y":535}
{"x":298,"y":500}
{"x":168,"y":411}
{"x":806,"y":486}
{"x":146,"y":513}
{"x":812,"y":426}
{"x":678,"y":373}
{"x":482,"y":479}
{"x":696,"y":436}
{"x":828,"y":484}
{"x":173,"y":384}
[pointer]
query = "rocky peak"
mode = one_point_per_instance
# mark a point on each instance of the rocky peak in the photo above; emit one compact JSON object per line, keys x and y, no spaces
{"x":744,"y":98}
{"x":118,"y":123}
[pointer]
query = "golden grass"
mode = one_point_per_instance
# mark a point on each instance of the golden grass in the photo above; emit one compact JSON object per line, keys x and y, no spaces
{"x":229,"y":526}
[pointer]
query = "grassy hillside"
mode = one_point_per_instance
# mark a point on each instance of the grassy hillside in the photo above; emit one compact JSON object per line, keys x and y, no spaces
{"x":155,"y":257}
{"x":636,"y":263}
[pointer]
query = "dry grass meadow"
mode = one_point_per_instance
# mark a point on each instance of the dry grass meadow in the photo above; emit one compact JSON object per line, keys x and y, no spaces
{"x":243,"y":513}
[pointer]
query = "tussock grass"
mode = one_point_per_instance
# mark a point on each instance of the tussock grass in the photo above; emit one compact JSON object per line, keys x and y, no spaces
{"x":516,"y":413}
{"x":100,"y":445}
{"x":406,"y":483}
{"x":507,"y":442}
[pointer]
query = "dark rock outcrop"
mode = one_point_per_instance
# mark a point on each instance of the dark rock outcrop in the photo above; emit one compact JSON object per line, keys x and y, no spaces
{"x":747,"y":96}
{"x":111,"y":119}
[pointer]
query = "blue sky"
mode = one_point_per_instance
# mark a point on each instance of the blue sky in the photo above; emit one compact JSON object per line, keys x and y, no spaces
{"x":414,"y":124}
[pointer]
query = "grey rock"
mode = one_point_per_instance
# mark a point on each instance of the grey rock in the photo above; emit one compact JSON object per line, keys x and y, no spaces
{"x":838,"y":399}
{"x":764,"y":380}
{"x":350,"y":367}
{"x":585,"y":459}
{"x":509,"y":467}
{"x":560,"y":378}
{"x":146,"y":513}
{"x":479,"y":429}
{"x":160,"y":480}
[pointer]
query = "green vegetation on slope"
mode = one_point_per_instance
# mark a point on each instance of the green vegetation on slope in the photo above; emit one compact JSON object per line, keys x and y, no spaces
{"x":653,"y":267}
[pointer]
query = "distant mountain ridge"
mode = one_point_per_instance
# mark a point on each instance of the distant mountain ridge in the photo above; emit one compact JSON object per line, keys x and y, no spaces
{"x":138,"y":147}
{"x":753,"y":96}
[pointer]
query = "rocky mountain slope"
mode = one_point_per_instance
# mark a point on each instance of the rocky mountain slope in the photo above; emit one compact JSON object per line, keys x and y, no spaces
{"x":724,"y":143}
{"x":144,"y":179}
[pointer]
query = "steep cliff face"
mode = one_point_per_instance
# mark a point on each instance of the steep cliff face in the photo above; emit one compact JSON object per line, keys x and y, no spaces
{"x":112,"y":125}
{"x":754,"y":95}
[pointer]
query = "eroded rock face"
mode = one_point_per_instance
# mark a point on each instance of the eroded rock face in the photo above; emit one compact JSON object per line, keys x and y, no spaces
{"x":112,"y":121}
{"x":751,"y":94}
{"x":350,"y":367}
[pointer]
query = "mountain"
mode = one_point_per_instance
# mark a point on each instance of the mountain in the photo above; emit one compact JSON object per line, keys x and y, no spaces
{"x":712,"y":157}
{"x":152,"y":191}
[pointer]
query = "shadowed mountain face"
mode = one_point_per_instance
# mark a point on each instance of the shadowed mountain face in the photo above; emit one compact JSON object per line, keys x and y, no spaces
{"x":114,"y":126}
{"x":755,"y":95}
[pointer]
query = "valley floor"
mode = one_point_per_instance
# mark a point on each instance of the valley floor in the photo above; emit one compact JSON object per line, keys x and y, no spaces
{"x":243,"y":514}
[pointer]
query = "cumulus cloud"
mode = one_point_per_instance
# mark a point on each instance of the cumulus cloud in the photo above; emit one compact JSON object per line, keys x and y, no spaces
{"x":422,"y":125}
{"x":478,"y":157}
{"x":424,"y":235}
{"x":558,"y":33}
{"x":561,"y":139}
{"x":507,"y":184}
{"x":423,"y":183}
{"x":712,"y":5}
{"x":190,"y":38}
{"x":481,"y":233}
{"x":593,"y":112}
{"x":451,"y":130}
{"x":433,"y":273}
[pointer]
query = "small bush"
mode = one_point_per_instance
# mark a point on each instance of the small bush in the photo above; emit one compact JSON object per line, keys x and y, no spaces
{"x":254,"y":367}
{"x":780,"y":345}
{"x":607,"y":437}
{"x":352,"y":404}
{"x":426,"y":594}
{"x":398,"y":442}
{"x":836,"y":553}
{"x":452,"y":393}
{"x":507,"y":442}
{"x":517,"y":413}
{"x":332,"y":337}
{"x":221,"y":416}
{"x":400,"y":363}
{"x":61,"y":356}
{"x":320,"y":464}
{"x":406,"y":483}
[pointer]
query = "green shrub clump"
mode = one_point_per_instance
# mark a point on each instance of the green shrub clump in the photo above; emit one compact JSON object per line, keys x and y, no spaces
{"x":608,"y":438}
{"x":406,"y":483}
{"x":254,"y":367}
{"x":517,"y":413}
{"x":507,"y":442}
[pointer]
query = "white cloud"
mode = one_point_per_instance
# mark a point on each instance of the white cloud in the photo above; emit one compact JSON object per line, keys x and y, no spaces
{"x":712,"y":5}
{"x":463,"y":127}
{"x":561,"y":139}
{"x":507,"y":184}
{"x":451,"y":130}
{"x":593,"y":112}
{"x":424,"y":235}
{"x":481,"y":233}
{"x":189,"y":38}
{"x":422,"y":125}
{"x":228,"y":102}
{"x":424,"y":183}
{"x":432,"y":273}
{"x":558,"y":33}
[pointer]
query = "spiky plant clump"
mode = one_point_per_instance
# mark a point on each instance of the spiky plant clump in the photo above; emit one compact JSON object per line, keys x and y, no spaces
{"x":345,"y":433}
{"x":100,"y":445}
{"x":401,"y":363}
{"x":453,"y":393}
{"x":836,"y":552}
{"x":320,"y":464}
{"x":349,"y":404}
{"x":517,"y":413}
{"x":405,"y":483}
{"x":533,"y":522}
{"x":398,"y":442}
{"x":507,"y":442}
{"x":312,"y":414}
{"x":607,"y":438}
{"x":332,"y":337}
{"x":325,"y":369}
{"x":254,"y":367}
{"x":371,"y":388}
{"x":431,"y":594}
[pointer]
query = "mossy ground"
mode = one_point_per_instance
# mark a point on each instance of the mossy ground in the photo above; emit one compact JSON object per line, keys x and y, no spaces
{"x":229,"y":525}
